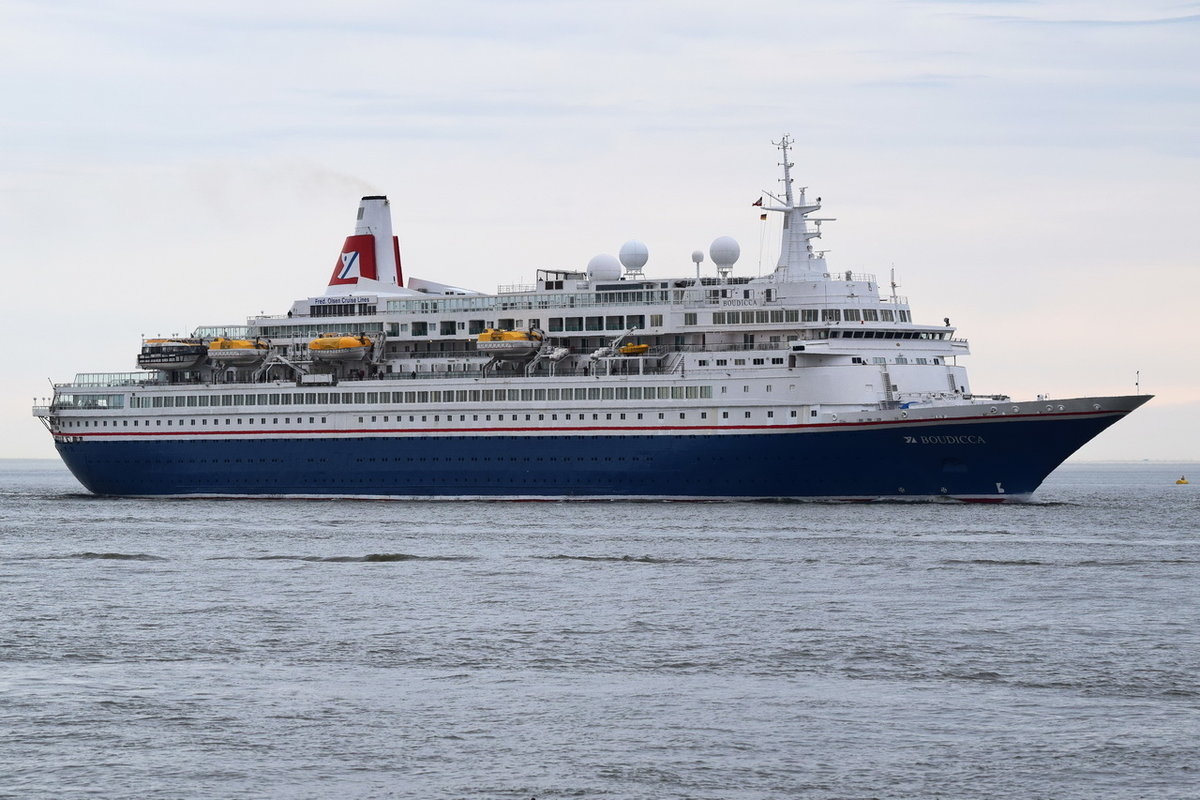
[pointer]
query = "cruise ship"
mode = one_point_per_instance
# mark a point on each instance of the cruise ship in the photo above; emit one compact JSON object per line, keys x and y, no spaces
{"x":602,"y":382}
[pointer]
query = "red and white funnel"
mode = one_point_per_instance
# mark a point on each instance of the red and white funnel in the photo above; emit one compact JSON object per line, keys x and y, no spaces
{"x":370,"y":259}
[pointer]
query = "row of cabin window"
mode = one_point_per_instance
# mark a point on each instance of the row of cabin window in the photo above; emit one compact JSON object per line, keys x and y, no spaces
{"x":640,"y":295}
{"x":474,"y":327}
{"x":870,"y":334}
{"x":757,"y":317}
{"x":434,"y":396}
{"x":617,"y":322}
{"x":740,"y":362}
{"x":608,"y":323}
{"x":342,"y":310}
{"x":158,"y":423}
{"x":203,"y":422}
{"x":297,"y":331}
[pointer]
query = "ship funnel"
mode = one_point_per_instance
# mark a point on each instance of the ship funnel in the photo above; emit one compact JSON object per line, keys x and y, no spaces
{"x":370,"y":259}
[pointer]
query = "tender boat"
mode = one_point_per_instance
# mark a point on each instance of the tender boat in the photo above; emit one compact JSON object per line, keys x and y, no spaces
{"x":237,"y":352}
{"x":340,"y":347}
{"x":171,"y":354}
{"x":509,"y":344}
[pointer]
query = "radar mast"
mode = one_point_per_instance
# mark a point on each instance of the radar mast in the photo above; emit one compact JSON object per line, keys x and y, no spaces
{"x":797,"y":260}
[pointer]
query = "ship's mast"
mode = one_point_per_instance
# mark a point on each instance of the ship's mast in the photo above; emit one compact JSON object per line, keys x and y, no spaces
{"x":783,"y":144}
{"x":797,"y":260}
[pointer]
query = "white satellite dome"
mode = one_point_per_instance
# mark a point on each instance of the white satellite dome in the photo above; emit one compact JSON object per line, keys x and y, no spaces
{"x":604,"y":267}
{"x":724,"y":251}
{"x":634,"y":255}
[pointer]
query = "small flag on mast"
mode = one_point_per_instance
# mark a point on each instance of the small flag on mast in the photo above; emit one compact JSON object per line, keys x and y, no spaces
{"x":757,"y":202}
{"x":763,"y":217}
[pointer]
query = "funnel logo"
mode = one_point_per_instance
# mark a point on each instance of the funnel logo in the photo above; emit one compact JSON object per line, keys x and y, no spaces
{"x":356,"y":261}
{"x":349,"y":262}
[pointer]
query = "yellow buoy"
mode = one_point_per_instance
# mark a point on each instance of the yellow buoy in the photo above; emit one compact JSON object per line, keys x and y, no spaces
{"x":1182,"y":481}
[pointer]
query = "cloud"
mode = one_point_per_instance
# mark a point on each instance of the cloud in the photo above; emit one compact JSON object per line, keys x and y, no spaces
{"x":1188,"y":20}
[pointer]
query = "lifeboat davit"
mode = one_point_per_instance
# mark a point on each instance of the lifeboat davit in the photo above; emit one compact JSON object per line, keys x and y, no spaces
{"x":237,"y":352}
{"x":171,"y":354}
{"x":509,"y":344}
{"x":340,"y":347}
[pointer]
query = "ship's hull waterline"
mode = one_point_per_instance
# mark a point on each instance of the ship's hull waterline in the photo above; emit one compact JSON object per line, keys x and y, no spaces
{"x":990,"y":459}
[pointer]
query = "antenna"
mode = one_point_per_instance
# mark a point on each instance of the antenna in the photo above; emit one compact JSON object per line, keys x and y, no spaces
{"x":894,"y":284}
{"x":783,"y":144}
{"x":762,"y":235}
{"x":1137,"y":382}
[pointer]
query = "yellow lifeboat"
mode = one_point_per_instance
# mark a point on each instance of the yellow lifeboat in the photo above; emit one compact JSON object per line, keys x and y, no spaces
{"x":509,"y":344}
{"x":237,"y":352}
{"x":634,"y":349}
{"x":340,"y":347}
{"x":1182,"y":481}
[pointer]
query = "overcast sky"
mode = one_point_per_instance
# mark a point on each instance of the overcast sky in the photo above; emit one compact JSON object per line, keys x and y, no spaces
{"x":1030,"y":169}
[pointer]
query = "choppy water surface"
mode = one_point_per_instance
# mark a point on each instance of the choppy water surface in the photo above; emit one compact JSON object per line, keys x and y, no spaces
{"x":215,"y":649}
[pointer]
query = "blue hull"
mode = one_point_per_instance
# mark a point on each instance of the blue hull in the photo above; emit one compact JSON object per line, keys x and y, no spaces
{"x":999,"y":459}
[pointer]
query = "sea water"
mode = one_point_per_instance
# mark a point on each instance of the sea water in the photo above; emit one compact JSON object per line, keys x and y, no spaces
{"x":358,"y":649}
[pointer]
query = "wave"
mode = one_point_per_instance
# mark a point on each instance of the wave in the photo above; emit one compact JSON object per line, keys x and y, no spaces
{"x":115,"y":556}
{"x":1116,"y":562}
{"x":997,"y":562}
{"x":624,"y":559}
{"x":368,"y":558}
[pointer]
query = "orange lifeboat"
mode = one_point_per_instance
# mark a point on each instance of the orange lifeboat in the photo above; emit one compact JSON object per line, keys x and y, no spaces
{"x":237,"y":352}
{"x":340,"y":347}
